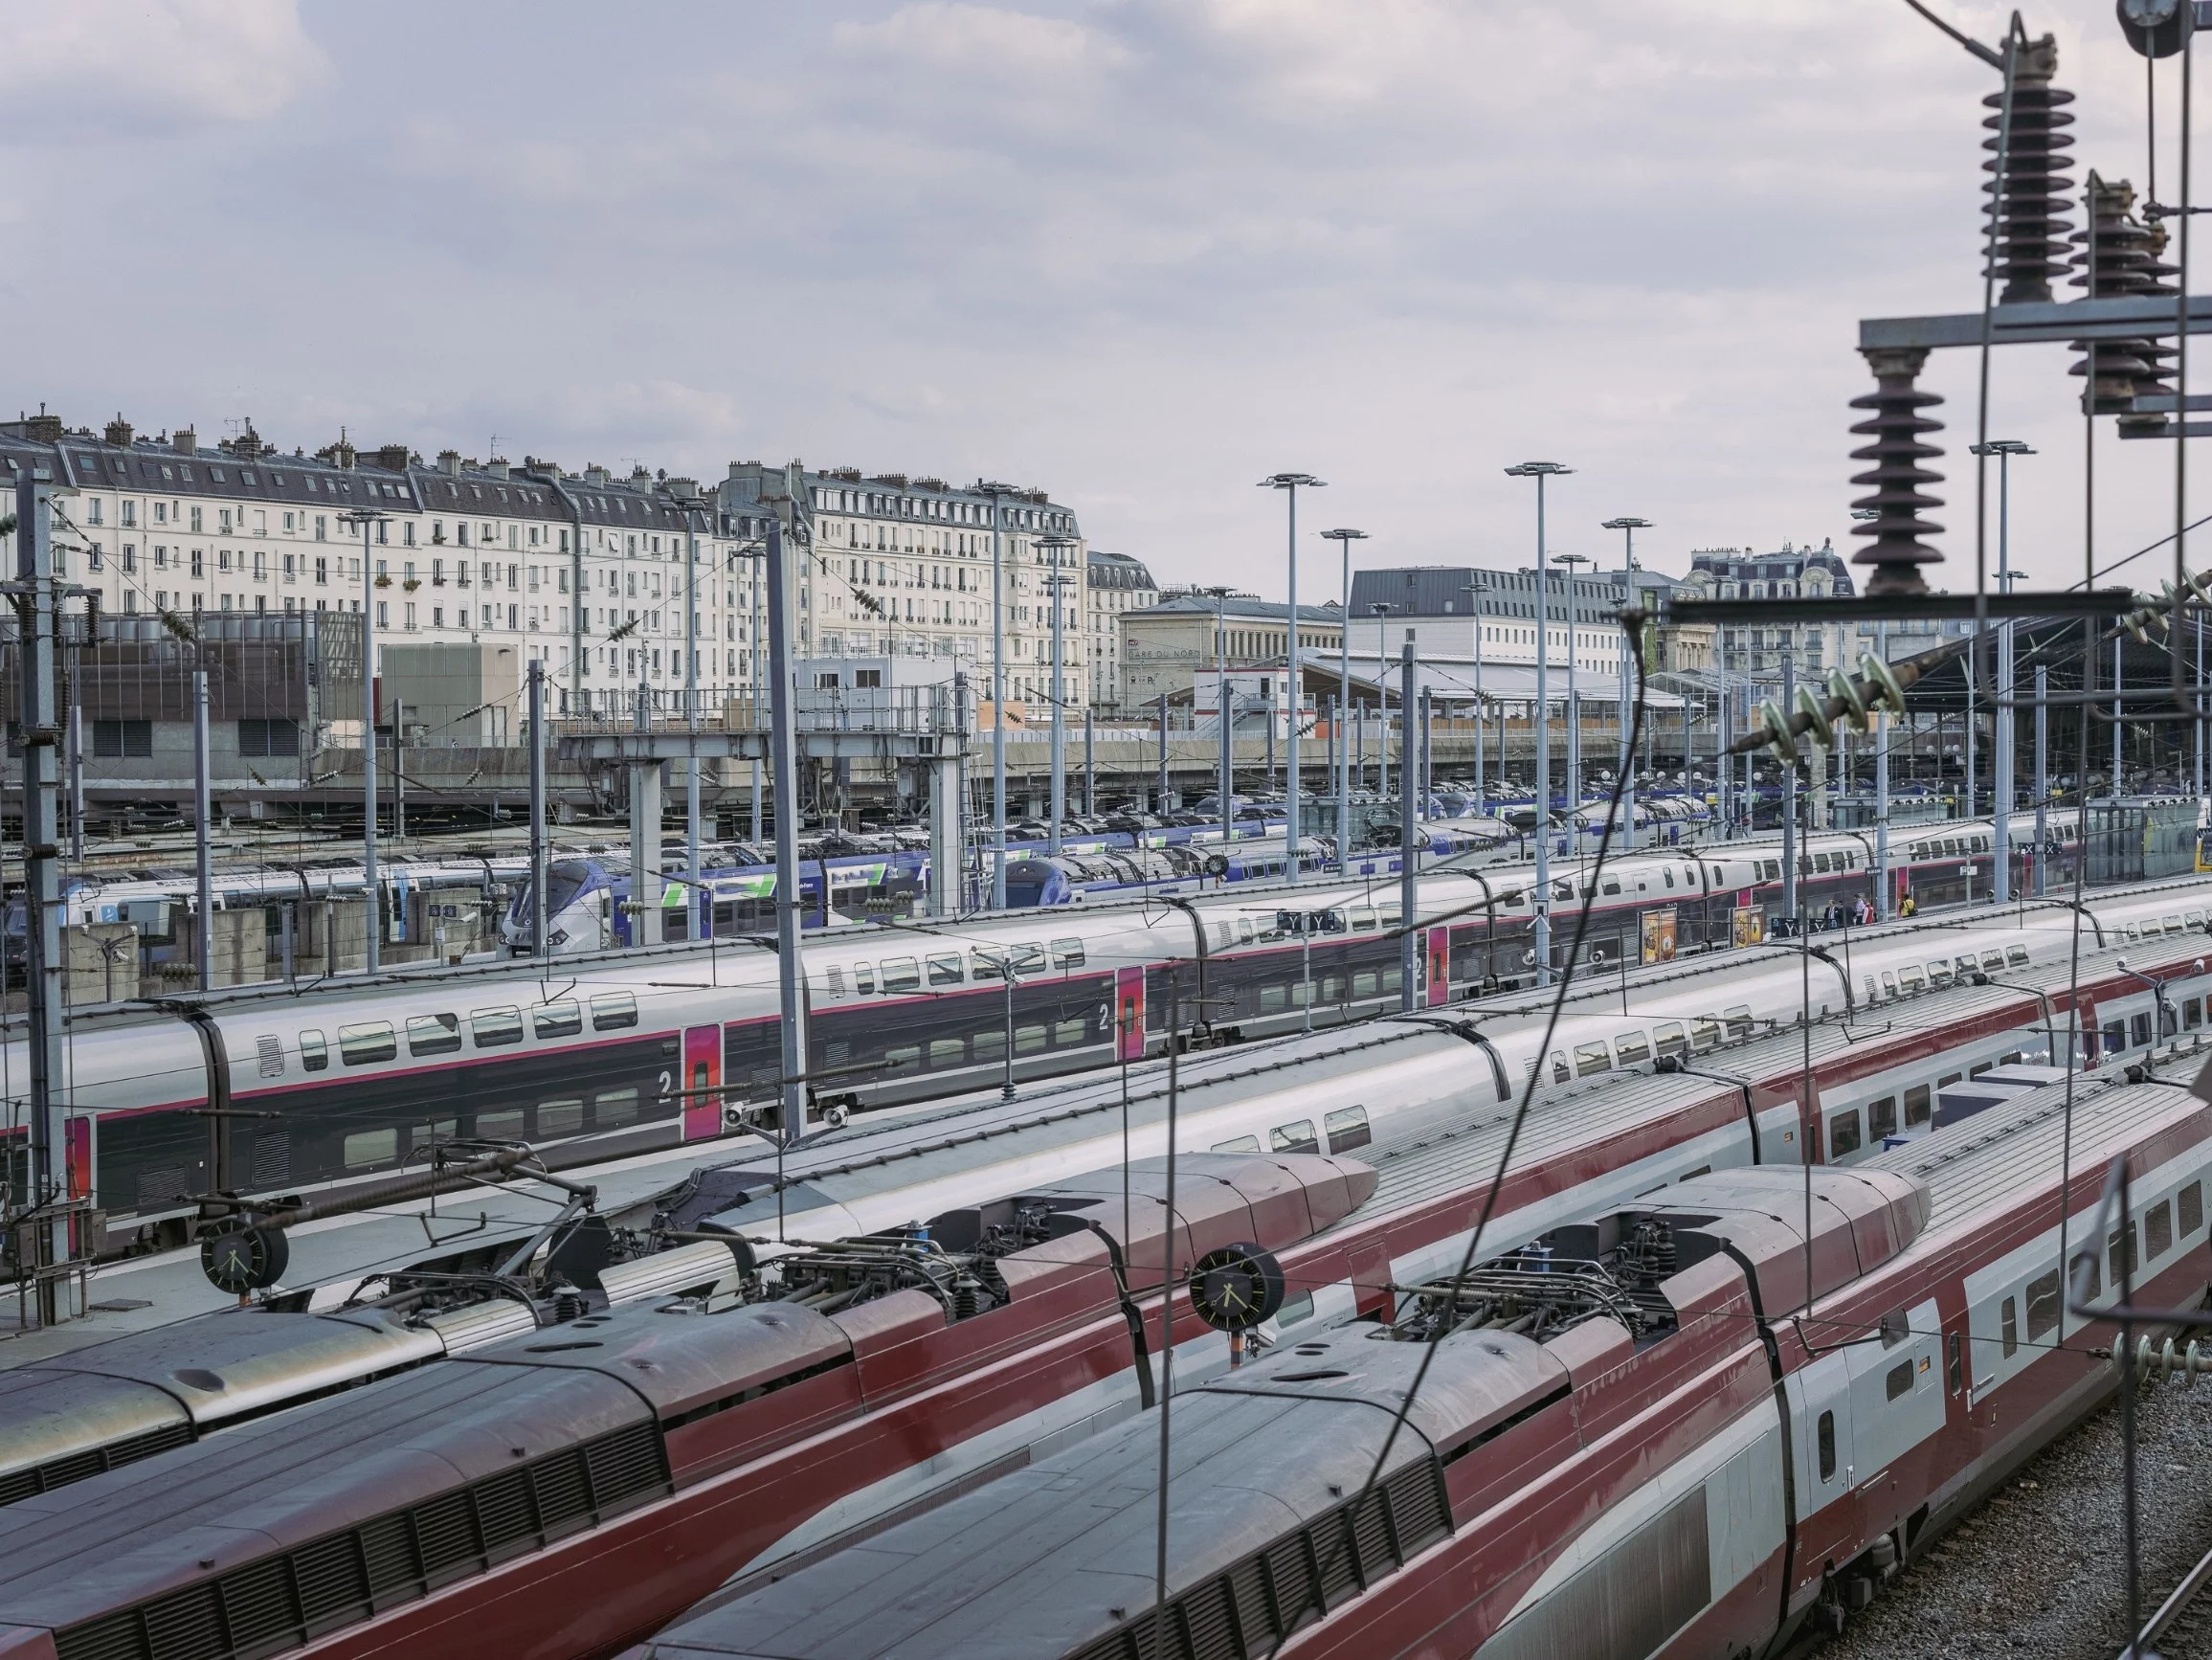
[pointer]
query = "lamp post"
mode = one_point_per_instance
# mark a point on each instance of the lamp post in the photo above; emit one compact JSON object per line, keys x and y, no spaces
{"x":1056,"y":582}
{"x":1381,"y":704}
{"x":1574,"y":705}
{"x":1628,"y":527}
{"x":1541,"y":471}
{"x":998,"y":690}
{"x":1344,"y":539}
{"x":1221,"y":709}
{"x":1288,"y":484}
{"x":365,"y":517}
{"x":2000,"y":773}
{"x":1475,"y":591}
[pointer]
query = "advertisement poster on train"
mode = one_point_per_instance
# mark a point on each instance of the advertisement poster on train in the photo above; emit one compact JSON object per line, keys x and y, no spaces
{"x":1659,"y":934}
{"x":1751,"y":926}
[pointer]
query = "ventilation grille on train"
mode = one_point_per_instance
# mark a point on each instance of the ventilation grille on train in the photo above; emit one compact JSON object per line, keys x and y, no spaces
{"x":281,"y":1601}
{"x":23,"y":1483}
{"x":1245,"y":1613}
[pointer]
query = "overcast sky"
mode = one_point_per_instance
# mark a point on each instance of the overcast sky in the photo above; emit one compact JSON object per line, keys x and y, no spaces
{"x":1139,"y":252}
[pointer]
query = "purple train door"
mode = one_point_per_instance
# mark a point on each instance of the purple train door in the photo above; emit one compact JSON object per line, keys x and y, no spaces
{"x":1440,"y":965}
{"x":1129,"y":1014}
{"x":702,"y":1072}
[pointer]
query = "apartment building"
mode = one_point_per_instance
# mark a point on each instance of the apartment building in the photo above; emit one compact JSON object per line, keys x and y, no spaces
{"x":1117,"y":585}
{"x":1170,"y":647}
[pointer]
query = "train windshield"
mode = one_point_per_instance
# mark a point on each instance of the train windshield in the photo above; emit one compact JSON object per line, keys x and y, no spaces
{"x":564,"y":882}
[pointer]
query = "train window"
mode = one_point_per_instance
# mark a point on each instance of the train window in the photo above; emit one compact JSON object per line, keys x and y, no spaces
{"x":944,"y":970}
{"x":1346,"y":1129}
{"x":1362,"y":917}
{"x":1363,"y":985}
{"x":367,"y":1147}
{"x":1298,"y":1137}
{"x":2192,"y":1013}
{"x":1938,"y":975}
{"x":1240,"y":1144}
{"x":505,"y":1125}
{"x":1028,"y":960}
{"x":1882,"y":1117}
{"x":1739,"y":1020}
{"x":370,"y":1042}
{"x":314,"y":1052}
{"x":2016,"y":956}
{"x":1668,"y":875}
{"x":1826,"y":1435}
{"x":1059,"y":946}
{"x":985,"y":965}
{"x":1953,"y":1365}
{"x":1703,"y":1033}
{"x":495,"y":1028}
{"x":432,"y":1133}
{"x":1911,"y":979}
{"x":1632,"y":1047}
{"x":2042,"y":1305}
{"x":1611,"y":885}
{"x":1821,"y":863}
{"x":900,"y":974}
{"x":2196,"y":918}
{"x":1592,"y":1057}
{"x":563,"y":1019}
{"x":1560,"y":1072}
{"x":2174,"y":925}
{"x":2115,"y":1036}
{"x":612,"y":1106}
{"x":2190,"y":1202}
{"x":864,"y":978}
{"x":433,"y":1034}
{"x":1967,"y":964}
{"x":1712,"y":874}
{"x":560,"y":1117}
{"x":2134,"y":931}
{"x":1843,"y":1135}
{"x":2120,"y":1251}
{"x":2008,"y":1325}
{"x":1976,"y":1071}
{"x":2157,"y":1230}
{"x":1069,"y":952}
{"x":1992,"y":960}
{"x":1668,"y":1039}
{"x":2139,"y":1029}
{"x":611,"y":1011}
{"x":1898,"y":1383}
{"x":1888,"y":984}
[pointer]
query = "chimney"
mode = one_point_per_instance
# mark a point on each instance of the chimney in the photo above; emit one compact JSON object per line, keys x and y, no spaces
{"x":247,"y":444}
{"x":119,"y":433}
{"x":497,"y":466}
{"x":595,"y":474}
{"x":391,"y":458}
{"x":449,"y":462}
{"x":186,"y":441}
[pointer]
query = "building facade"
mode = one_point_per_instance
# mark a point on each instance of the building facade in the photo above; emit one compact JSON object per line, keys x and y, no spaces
{"x":1116,"y":584}
{"x":1166,"y":647}
{"x":1760,"y":650}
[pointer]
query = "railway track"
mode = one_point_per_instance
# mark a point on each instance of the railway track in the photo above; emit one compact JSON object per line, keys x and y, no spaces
{"x":2182,"y":1625}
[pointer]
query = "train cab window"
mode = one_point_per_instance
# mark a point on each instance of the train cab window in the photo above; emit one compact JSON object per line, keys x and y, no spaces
{"x":2192,"y":1013}
{"x":1938,"y":975}
{"x":1843,"y":1135}
{"x":944,"y":970}
{"x":1668,"y":1038}
{"x":1592,"y":1057}
{"x":1897,"y":1383}
{"x":2157,"y":1230}
{"x":1911,"y":979}
{"x":1919,"y":1101}
{"x":900,"y":974}
{"x":2190,"y":1204}
{"x":2016,"y":956}
{"x":1739,"y":1020}
{"x":1560,"y":1071}
{"x":562,"y":1019}
{"x":314,"y":1052}
{"x":1888,"y":984}
{"x":1067,"y":954}
{"x":1240,"y":1144}
{"x":1298,"y":1137}
{"x":1703,"y":1033}
{"x":366,"y":1042}
{"x":2042,"y":1305}
{"x":1633,"y":1047}
{"x":370,"y":1146}
{"x":1825,"y":1435}
{"x":1347,"y":1128}
{"x":611,"y":1011}
{"x":495,"y":1028}
{"x":2008,"y":1325}
{"x":433,"y":1034}
{"x":1882,"y":1117}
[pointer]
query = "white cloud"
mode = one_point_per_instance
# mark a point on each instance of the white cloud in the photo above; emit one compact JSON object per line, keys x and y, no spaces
{"x":125,"y":67}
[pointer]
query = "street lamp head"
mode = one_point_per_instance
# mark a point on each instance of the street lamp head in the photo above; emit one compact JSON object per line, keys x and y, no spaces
{"x":1291,"y":482}
{"x":2002,"y":447}
{"x":1571,"y":559}
{"x":364,"y":516}
{"x":1536,"y":470}
{"x":1866,"y":512}
{"x":1345,"y":535}
{"x":1626,"y":524}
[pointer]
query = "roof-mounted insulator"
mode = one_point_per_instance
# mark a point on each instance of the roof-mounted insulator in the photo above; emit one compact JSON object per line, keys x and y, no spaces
{"x":2032,"y":197}
{"x":2118,"y":255}
{"x":1898,"y":551}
